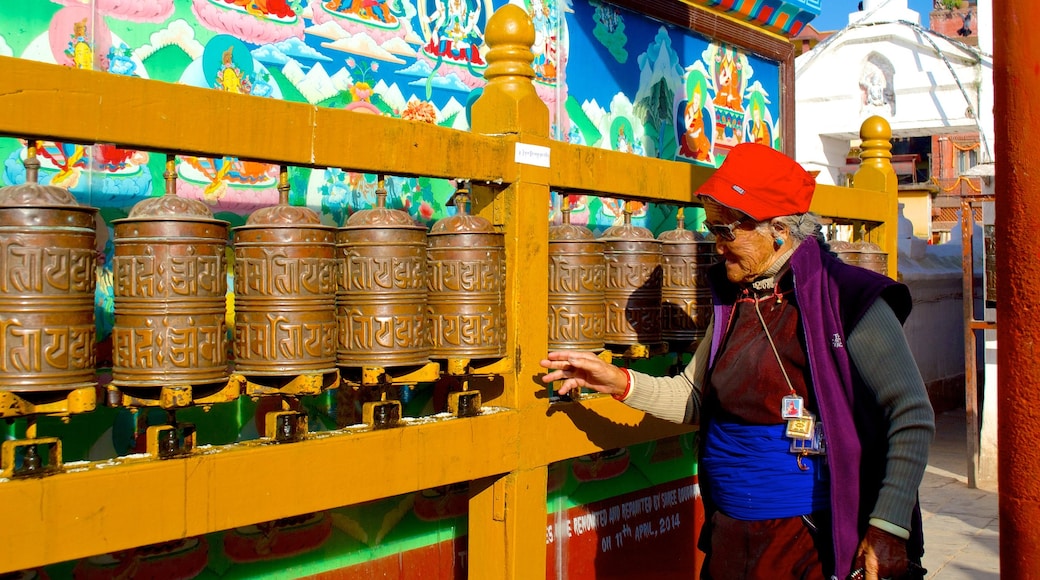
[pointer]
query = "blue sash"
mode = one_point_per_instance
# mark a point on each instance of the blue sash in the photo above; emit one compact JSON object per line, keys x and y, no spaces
{"x":750,"y":473}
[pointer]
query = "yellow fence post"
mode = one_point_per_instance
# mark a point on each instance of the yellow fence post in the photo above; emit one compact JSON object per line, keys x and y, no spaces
{"x":508,"y":513}
{"x":876,"y":173}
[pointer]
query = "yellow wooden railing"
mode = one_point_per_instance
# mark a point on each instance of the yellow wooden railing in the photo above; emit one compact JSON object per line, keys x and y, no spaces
{"x":96,"y":508}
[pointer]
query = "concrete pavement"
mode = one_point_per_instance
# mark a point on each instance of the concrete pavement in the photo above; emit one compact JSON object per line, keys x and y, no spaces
{"x":961,"y":531}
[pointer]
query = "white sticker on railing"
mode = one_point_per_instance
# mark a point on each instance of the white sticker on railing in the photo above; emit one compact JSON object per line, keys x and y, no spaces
{"x":532,"y":155}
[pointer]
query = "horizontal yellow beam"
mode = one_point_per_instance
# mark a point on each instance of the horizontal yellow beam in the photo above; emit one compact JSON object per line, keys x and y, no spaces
{"x":852,"y":204}
{"x":611,"y":173}
{"x":97,"y":508}
{"x":65,"y":104}
{"x":61,"y":103}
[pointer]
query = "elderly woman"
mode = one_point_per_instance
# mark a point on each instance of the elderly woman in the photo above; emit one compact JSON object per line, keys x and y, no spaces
{"x":814,"y":420}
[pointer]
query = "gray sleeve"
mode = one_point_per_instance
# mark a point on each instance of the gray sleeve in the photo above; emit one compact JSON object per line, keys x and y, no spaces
{"x":676,"y":399}
{"x":878,"y":348}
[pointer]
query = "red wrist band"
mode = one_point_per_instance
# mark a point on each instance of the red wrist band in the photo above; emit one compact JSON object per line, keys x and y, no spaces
{"x":628,"y":386}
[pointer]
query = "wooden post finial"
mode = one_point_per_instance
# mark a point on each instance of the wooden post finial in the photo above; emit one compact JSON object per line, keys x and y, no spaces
{"x":876,"y":173}
{"x":509,"y":103}
{"x":509,"y":35}
{"x":876,"y":135}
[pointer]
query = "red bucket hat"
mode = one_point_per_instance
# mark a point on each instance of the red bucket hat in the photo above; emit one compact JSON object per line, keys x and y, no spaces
{"x":761,"y":182}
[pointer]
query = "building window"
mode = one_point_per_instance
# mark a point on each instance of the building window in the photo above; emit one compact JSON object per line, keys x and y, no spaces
{"x":966,"y":159}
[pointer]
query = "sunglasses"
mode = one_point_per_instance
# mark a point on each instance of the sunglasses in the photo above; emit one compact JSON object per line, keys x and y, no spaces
{"x":724,"y":232}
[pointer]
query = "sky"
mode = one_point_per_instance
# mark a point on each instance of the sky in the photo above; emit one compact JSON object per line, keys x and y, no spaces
{"x":835,"y":13}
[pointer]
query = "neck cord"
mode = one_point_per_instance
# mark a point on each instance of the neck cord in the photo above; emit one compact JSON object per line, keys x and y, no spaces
{"x":801,"y":466}
{"x":776,"y":353}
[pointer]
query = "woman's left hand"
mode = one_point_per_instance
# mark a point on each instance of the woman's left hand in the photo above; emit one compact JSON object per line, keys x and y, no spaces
{"x":882,"y":555}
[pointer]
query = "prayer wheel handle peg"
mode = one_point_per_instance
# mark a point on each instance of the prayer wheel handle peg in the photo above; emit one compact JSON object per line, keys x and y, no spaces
{"x":287,"y":424}
{"x":22,"y":458}
{"x":384,"y":413}
{"x":464,"y":403}
{"x":170,"y":441}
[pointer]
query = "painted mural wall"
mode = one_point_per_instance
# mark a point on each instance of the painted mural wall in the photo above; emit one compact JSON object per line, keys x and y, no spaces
{"x":610,"y":77}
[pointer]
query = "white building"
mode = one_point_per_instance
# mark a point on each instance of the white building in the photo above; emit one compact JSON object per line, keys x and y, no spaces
{"x":883,"y":63}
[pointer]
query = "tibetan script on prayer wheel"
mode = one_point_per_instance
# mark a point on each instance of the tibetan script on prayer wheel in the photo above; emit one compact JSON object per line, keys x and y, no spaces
{"x":577,"y":281}
{"x":285,"y":293}
{"x":466,"y":282}
{"x":170,"y":278}
{"x":381,"y":296}
{"x":47,"y":278}
{"x":633,"y":284}
{"x":685,"y":295}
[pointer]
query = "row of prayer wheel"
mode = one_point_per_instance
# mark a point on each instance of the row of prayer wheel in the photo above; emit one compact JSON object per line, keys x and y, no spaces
{"x":308,"y":297}
{"x":626,"y":287}
{"x":378,"y":292}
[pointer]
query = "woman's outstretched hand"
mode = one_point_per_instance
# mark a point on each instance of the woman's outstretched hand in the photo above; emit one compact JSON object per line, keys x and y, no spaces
{"x":579,"y":369}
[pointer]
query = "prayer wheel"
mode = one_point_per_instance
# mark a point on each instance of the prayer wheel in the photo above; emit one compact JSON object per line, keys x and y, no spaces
{"x":577,"y":282}
{"x":170,"y":279}
{"x":872,"y":257}
{"x":285,"y":291}
{"x":47,"y":277}
{"x":633,"y":284}
{"x":863,"y":254}
{"x":381,"y":295}
{"x":685,"y":295}
{"x":466,"y":308}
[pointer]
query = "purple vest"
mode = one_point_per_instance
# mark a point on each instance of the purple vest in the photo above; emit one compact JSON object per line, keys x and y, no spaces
{"x":832,"y":297}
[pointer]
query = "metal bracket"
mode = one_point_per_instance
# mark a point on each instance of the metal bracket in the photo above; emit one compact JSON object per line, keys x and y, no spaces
{"x":381,"y":414}
{"x":285,"y":426}
{"x":32,"y":463}
{"x":167,"y":441}
{"x":464,"y":403}
{"x":176,"y":396}
{"x":296,"y":386}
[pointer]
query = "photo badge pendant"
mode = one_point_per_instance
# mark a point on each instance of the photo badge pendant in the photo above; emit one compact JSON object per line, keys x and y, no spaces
{"x":791,"y":407}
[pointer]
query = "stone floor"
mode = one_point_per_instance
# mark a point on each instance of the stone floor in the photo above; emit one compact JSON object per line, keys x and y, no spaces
{"x":961,"y":530}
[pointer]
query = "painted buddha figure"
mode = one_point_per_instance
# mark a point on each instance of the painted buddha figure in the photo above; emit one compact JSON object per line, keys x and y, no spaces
{"x":544,"y":48}
{"x":455,"y":33}
{"x":622,"y":141}
{"x":728,"y":80}
{"x":229,"y":77}
{"x":758,"y":130}
{"x":694,"y":143}
{"x":79,"y":50}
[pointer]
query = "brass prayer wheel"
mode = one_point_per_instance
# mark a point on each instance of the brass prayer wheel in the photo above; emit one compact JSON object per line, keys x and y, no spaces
{"x":285,"y":291}
{"x":170,"y":279}
{"x":845,"y":251}
{"x":467,"y":263}
{"x":872,"y":257}
{"x":381,"y":295}
{"x":685,"y":296}
{"x":863,"y":254}
{"x":577,"y":282}
{"x":47,"y":277}
{"x":633,"y":284}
